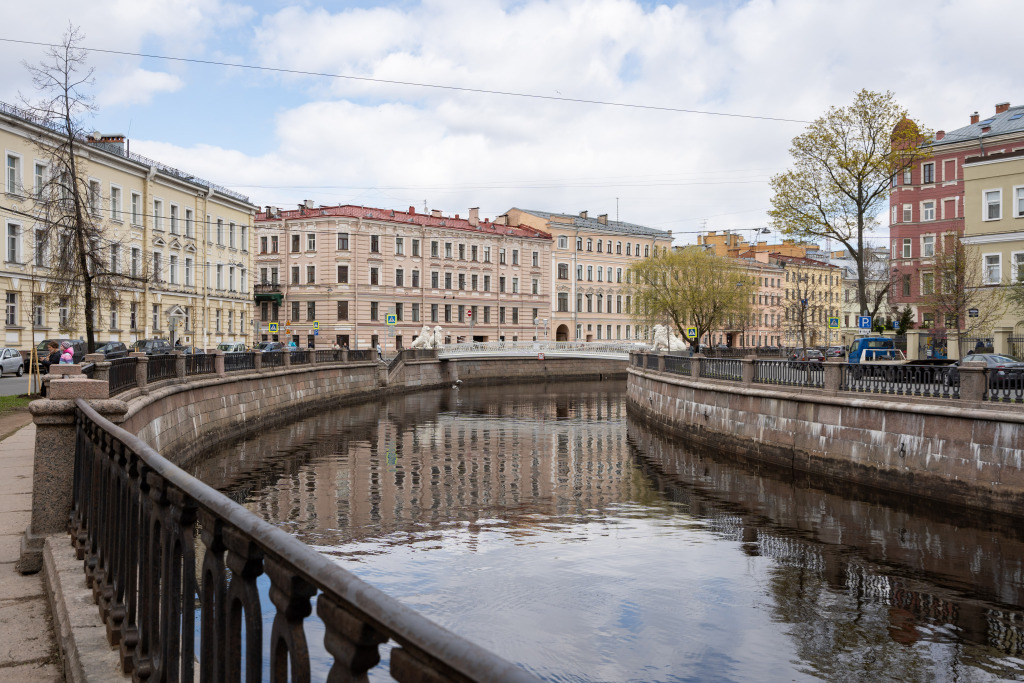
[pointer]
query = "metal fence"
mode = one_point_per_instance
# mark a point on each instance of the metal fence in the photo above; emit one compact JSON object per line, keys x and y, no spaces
{"x":299,"y":357}
{"x":134,"y":520}
{"x":160,"y":367}
{"x":795,"y":373}
{"x":199,"y":364}
{"x":722,"y":368}
{"x":273,"y":359}
{"x":360,"y":355}
{"x":929,"y":381}
{"x":328,"y":355}
{"x":122,"y":376}
{"x":1004,"y":387}
{"x":1017,"y":347}
{"x":242,"y":360}
{"x":679,"y":365}
{"x":976,"y":345}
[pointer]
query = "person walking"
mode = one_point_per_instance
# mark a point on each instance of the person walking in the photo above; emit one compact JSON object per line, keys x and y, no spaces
{"x":380,"y":352}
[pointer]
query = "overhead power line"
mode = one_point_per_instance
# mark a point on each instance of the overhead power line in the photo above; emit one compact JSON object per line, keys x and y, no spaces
{"x":455,"y":88}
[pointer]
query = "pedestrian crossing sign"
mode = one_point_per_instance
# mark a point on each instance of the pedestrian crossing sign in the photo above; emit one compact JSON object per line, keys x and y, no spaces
{"x":833,"y":323}
{"x":273,"y":328}
{"x":691,"y":332}
{"x":316,"y":324}
{"x":392,"y":319}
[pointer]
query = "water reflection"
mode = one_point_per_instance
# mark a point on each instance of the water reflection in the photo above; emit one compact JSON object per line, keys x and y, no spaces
{"x":527,"y":520}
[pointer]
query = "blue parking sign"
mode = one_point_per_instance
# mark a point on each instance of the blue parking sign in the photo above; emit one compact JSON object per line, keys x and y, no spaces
{"x":864,"y":322}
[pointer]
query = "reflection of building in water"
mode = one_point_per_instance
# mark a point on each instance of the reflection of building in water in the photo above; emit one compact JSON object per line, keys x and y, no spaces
{"x":450,"y":456}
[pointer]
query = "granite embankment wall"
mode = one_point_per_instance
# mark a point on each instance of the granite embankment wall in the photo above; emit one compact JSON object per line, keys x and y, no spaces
{"x":183,"y":419}
{"x":963,"y":453}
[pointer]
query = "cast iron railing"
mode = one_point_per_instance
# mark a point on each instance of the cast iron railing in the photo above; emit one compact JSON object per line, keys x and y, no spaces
{"x":200,"y":364}
{"x":160,"y":367}
{"x":1007,"y":387}
{"x":361,"y":355}
{"x":133,"y":523}
{"x":929,"y":381}
{"x":122,"y":375}
{"x":1016,"y":347}
{"x":679,"y":365}
{"x":797,"y":373}
{"x":722,"y":368}
{"x":242,"y":360}
{"x":652,"y":361}
{"x":300,"y":357}
{"x":328,"y":355}
{"x":273,"y":359}
{"x":638,"y":359}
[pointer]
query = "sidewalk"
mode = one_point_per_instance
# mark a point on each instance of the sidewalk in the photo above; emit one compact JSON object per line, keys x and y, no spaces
{"x":28,"y":651}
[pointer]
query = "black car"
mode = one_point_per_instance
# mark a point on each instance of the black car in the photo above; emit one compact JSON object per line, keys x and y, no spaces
{"x":813,"y":356}
{"x":78,"y":351}
{"x":152,"y":347}
{"x":112,"y":350}
{"x":1003,"y":370}
{"x":269,"y":346}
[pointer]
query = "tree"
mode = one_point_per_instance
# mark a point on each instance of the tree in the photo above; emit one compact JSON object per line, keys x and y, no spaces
{"x":843,"y":167}
{"x":804,"y":312}
{"x":905,"y":316}
{"x":71,"y":242}
{"x":688,"y":287}
{"x":955,"y":286}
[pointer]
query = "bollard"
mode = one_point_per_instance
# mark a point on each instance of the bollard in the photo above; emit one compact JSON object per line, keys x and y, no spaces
{"x":695,"y":365}
{"x":287,"y":357}
{"x":312,"y":356}
{"x":661,"y":362}
{"x":102,"y":371}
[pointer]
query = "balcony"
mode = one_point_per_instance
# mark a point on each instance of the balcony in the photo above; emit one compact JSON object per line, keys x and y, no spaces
{"x":268,"y":292}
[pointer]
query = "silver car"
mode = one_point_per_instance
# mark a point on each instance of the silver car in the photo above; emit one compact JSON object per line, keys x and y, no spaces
{"x":11,"y":362}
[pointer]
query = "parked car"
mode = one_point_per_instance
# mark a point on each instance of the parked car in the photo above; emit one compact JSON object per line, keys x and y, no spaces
{"x":152,"y":347}
{"x":835,"y":352}
{"x":268,"y":346}
{"x":188,"y":350}
{"x":78,"y":351}
{"x":1003,"y":371}
{"x":232,"y":347}
{"x":812,"y":355}
{"x":11,"y":362}
{"x":112,"y":350}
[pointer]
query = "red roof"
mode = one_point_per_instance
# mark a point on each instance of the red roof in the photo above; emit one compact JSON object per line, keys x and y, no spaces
{"x":404,"y":218}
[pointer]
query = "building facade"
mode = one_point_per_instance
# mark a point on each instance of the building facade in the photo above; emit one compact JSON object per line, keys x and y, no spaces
{"x":184,"y":242}
{"x":588,"y":266}
{"x":927,"y":204}
{"x":763,"y":326}
{"x":812,"y":295}
{"x":345,"y":269}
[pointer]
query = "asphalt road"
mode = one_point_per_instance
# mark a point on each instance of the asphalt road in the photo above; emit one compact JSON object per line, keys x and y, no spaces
{"x":13,"y":386}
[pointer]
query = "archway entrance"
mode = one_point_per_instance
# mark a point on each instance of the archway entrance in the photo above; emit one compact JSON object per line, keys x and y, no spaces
{"x":562,"y":333}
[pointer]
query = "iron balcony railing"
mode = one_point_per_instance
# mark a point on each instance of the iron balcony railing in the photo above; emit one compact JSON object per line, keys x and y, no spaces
{"x":795,"y":373}
{"x":122,"y":376}
{"x":239,"y":361}
{"x":928,"y":381}
{"x":200,"y":364}
{"x":160,"y":367}
{"x":134,"y":521}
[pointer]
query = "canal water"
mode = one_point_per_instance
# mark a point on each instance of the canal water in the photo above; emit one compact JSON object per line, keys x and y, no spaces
{"x":547,"y":525}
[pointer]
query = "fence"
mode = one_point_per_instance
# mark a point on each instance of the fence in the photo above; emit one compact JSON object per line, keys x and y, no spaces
{"x":273,"y":359}
{"x":360,"y":355}
{"x":1017,"y":347}
{"x":122,"y":375}
{"x":679,"y":365}
{"x":328,"y":355}
{"x":236,"y":362}
{"x":160,"y":367}
{"x":722,"y":368}
{"x":795,"y":373}
{"x":199,"y":364}
{"x":134,"y":520}
{"x":1005,"y":386}
{"x":299,"y":357}
{"x":929,"y":381}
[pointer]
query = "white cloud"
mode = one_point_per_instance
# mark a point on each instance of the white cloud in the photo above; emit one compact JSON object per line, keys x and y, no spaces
{"x":137,"y":87}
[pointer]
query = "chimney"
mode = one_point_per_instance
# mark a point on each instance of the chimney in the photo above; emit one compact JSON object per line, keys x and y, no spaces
{"x":603,"y":219}
{"x":1002,"y":106}
{"x":974,"y":117}
{"x":435,"y":213}
{"x":412,"y":210}
{"x":309,"y":203}
{"x":985,"y":129}
{"x":474,"y":216}
{"x":939,"y":134}
{"x":583,"y":214}
{"x":109,"y":143}
{"x":502,"y":219}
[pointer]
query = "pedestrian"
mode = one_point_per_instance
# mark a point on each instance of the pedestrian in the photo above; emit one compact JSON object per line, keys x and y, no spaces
{"x":335,"y":346}
{"x":380,"y":352}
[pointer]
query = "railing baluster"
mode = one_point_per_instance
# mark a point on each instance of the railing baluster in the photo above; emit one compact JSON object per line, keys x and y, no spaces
{"x":213,"y":614}
{"x":245,"y":560}
{"x":353,"y":643}
{"x":291,"y":596}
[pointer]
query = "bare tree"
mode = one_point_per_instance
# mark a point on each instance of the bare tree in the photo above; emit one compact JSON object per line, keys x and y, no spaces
{"x":804,"y":313}
{"x":71,"y":242}
{"x":957,"y":292}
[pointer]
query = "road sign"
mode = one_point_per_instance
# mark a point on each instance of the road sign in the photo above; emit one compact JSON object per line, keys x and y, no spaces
{"x":469,"y":313}
{"x":691,"y":332}
{"x":864,"y":322}
{"x":316,"y":333}
{"x":972,"y":312}
{"x":833,"y":323}
{"x":392,"y":319}
{"x":540,"y":356}
{"x":273,"y":328}
{"x":895,"y":324}
{"x":287,"y":323}
{"x":316,"y":325}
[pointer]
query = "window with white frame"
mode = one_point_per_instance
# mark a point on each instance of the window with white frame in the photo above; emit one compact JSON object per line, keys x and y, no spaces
{"x":172,"y":268}
{"x":174,"y":218}
{"x":231,"y":235}
{"x":158,"y":214}
{"x":42,"y":242}
{"x":563,"y":242}
{"x":40,"y":179}
{"x":136,"y":208}
{"x":908,"y":213}
{"x":927,"y":283}
{"x":11,"y":313}
{"x":928,"y":173}
{"x":113,"y":314}
{"x":231,"y":278}
{"x":907,"y":180}
{"x":1018,"y":265}
{"x":115,"y":258}
{"x":64,"y":312}
{"x":95,"y":198}
{"x":992,"y":205}
{"x":927,"y":246}
{"x":158,"y":274}
{"x":907,"y":247}
{"x":189,"y":271}
{"x":115,"y":203}
{"x":38,"y":311}
{"x":895,"y":213}
{"x":1018,"y":202}
{"x":136,"y":261}
{"x":189,"y":223}
{"x":993,"y":274}
{"x":928,"y":210}
{"x":13,"y":252}
{"x":220,"y":276}
{"x":220,"y":231}
{"x":12,"y":181}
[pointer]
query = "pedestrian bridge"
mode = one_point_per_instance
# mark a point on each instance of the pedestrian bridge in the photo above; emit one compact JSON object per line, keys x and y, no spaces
{"x":571,"y":349}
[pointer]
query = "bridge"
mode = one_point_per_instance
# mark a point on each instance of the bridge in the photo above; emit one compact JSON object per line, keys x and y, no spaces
{"x":525,"y":349}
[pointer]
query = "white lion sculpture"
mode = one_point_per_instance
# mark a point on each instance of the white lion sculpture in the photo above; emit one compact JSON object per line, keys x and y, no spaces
{"x":425,"y":340}
{"x":438,"y":337}
{"x":664,"y":340}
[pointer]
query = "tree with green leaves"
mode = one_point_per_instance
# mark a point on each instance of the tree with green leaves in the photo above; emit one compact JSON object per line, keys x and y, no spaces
{"x":689,"y":287}
{"x":843,"y":167}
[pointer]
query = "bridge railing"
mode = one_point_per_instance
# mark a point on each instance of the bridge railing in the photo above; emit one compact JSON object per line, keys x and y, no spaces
{"x":528,"y":347}
{"x":133,"y":522}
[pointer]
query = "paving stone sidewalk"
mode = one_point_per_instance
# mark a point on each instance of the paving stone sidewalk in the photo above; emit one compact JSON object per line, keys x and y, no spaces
{"x":28,"y":651}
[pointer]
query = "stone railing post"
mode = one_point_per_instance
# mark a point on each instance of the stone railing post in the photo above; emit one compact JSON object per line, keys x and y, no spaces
{"x":257,"y":360}
{"x":180,"y":371}
{"x":972,"y":381}
{"x":53,"y":469}
{"x":344,"y":355}
{"x":661,"y":362}
{"x":913,"y":345}
{"x":747,"y":370}
{"x":695,"y":365}
{"x":1001,"y":340}
{"x":141,"y":370}
{"x":312,"y":356}
{"x":833,"y":375}
{"x":287,"y":357}
{"x":102,"y":371}
{"x":218,"y":363}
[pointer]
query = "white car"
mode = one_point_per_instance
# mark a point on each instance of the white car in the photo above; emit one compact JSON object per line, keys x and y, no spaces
{"x":11,"y":362}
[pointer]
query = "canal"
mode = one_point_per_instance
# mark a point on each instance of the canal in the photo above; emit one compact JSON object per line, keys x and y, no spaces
{"x":545,"y":524}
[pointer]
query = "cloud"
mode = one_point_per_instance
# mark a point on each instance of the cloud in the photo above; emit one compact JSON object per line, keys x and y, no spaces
{"x":137,"y":87}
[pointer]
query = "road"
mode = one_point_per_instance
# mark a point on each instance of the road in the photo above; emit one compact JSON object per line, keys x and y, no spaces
{"x":13,"y":386}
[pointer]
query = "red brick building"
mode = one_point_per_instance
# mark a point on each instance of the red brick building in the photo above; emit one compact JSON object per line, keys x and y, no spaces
{"x":927,"y":203}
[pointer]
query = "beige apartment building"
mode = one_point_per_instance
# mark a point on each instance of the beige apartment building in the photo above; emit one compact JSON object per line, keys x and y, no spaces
{"x":183,"y":240}
{"x":763,"y":326}
{"x":335,"y":274}
{"x":812,"y":294}
{"x":588,"y":263}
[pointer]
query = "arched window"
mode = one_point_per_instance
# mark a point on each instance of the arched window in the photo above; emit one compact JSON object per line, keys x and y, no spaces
{"x":618,"y":248}
{"x":647,"y":251}
{"x":628,"y":250}
{"x":579,"y":244}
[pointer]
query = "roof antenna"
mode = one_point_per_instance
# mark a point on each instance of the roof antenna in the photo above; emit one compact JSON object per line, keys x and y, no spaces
{"x":617,"y":210}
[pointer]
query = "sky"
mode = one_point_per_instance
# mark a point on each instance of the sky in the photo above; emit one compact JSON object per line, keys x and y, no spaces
{"x":282,"y":138}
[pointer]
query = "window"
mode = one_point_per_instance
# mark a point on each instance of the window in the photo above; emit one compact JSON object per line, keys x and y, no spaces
{"x":189,"y":270}
{"x":310,"y":310}
{"x":342,"y":310}
{"x":993,"y":269}
{"x":563,"y":302}
{"x":579,"y":244}
{"x":629,"y":251}
{"x":13,"y":176}
{"x":563,"y":271}
{"x":273,"y":244}
{"x":462,"y":281}
{"x":435,"y":279}
{"x":311,"y":241}
{"x":992,"y":203}
{"x":894,"y":217}
{"x":474,"y":282}
{"x":906,"y":247}
{"x":189,"y":222}
{"x":399,"y":278}
{"x":399,"y":312}
{"x":618,"y":274}
{"x":416,"y":278}
{"x":415,"y":313}
{"x":927,"y":283}
{"x":433,"y":313}
{"x":590,"y":273}
{"x":907,"y":180}
{"x":375,"y":243}
{"x":579,"y":271}
{"x":447,"y":280}
{"x":501,"y":256}
{"x":563,"y":242}
{"x":220,"y":231}
{"x":590,"y":245}
{"x":501,"y":284}
{"x":11,"y":315}
{"x":295,"y":275}
{"x":416,"y":248}
{"x":374,"y":276}
{"x":928,"y":173}
{"x":1018,"y":202}
{"x":487,"y":314}
{"x":501,"y":315}
{"x":342,"y":241}
{"x":399,"y":246}
{"x":342,"y":275}
{"x":447,"y":313}
{"x":40,"y":252}
{"x":136,"y":261}
{"x":487,"y":254}
{"x":174,"y":219}
{"x":647,"y":250}
{"x":40,"y":183}
{"x":296,"y":246}
{"x":374,"y":310}
{"x":231,"y":278}
{"x":295,"y":311}
{"x":1018,"y":266}
{"x":434,"y":249}
{"x":600,"y":274}
{"x":927,"y":246}
{"x":515,"y":285}
{"x":13,"y":243}
{"x":136,"y":208}
{"x":928,"y":210}
{"x":515,"y":316}
{"x":487,"y":283}
{"x":156,"y":317}
{"x":462,"y":252}
{"x":600,"y":247}
{"x":618,"y":248}
{"x":536,"y":259}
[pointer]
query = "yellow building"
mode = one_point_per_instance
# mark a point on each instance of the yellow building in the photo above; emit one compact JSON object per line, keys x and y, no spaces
{"x":994,"y":223}
{"x":183,"y":241}
{"x":589,"y":260}
{"x":812,"y":295}
{"x":733,"y":245}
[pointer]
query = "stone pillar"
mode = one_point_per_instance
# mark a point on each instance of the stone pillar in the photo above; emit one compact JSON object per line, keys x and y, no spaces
{"x":344,"y":355}
{"x":747,"y":370}
{"x":53,"y":470}
{"x":102,"y":371}
{"x":1001,"y":340}
{"x":661,"y":362}
{"x":972,"y":381}
{"x":913,"y":345}
{"x":953,"y":344}
{"x":180,"y":371}
{"x":695,"y":364}
{"x":833,"y":377}
{"x":312,"y":356}
{"x":218,"y":363}
{"x":141,"y":371}
{"x":287,"y":357}
{"x":257,"y":360}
